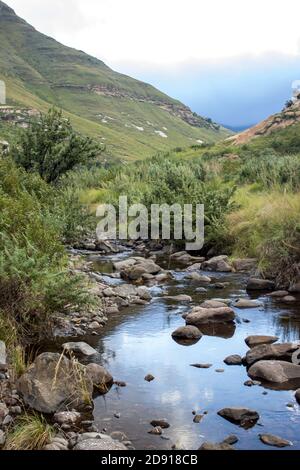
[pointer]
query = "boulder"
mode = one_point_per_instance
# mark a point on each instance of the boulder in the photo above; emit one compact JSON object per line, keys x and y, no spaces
{"x":80,"y":348}
{"x":274,"y":441}
{"x":194,"y":267}
{"x":3,"y":359}
{"x":256,"y":340}
{"x":274,"y":371}
{"x":70,"y":418}
{"x":244,"y":265}
{"x":187,"y":332}
{"x":234,"y":360}
{"x":271,"y":351}
{"x":101,"y":378}
{"x":183,"y":257}
{"x":200,"y":315}
{"x":289,"y":299}
{"x":297,"y":395}
{"x":54,"y":383}
{"x":218,"y":264}
{"x":246,"y":303}
{"x":244,"y":417}
{"x":260,"y":284}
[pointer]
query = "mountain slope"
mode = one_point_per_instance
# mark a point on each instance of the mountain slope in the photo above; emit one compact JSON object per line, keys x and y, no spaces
{"x":290,"y":116}
{"x":132,"y":118}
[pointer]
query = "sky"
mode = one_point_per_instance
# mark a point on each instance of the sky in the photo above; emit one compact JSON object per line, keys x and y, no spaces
{"x":231,"y":60}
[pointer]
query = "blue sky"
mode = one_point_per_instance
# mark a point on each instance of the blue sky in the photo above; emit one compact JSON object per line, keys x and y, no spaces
{"x":231,"y":60}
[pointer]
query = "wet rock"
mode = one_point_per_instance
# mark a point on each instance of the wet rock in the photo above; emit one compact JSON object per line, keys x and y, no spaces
{"x":271,"y":351}
{"x":244,"y":265}
{"x":80,"y":348}
{"x":232,"y":439}
{"x":220,"y":371}
{"x":202,"y":366}
{"x":183,"y":257}
{"x":3,"y":362}
{"x":52,"y":384}
{"x":234,"y":360}
{"x":260,"y":284}
{"x":178,"y":298}
{"x":256,"y":340}
{"x":246,"y":303}
{"x":101,"y":378}
{"x":244,"y":417}
{"x":200,"y":315}
{"x":212,"y":446}
{"x":117,"y":415}
{"x":202,"y":290}
{"x":162,"y":423}
{"x":275,"y":441}
{"x":140,"y":267}
{"x":297,"y":395}
{"x":274,"y":371}
{"x":187,"y":332}
{"x":198,"y":418}
{"x":157,"y":431}
{"x":278,"y":294}
{"x":218,"y":263}
{"x":213,"y":304}
{"x":100,"y":444}
{"x":251,"y":383}
{"x":149,"y":378}
{"x":120,"y":383}
{"x":194,"y":276}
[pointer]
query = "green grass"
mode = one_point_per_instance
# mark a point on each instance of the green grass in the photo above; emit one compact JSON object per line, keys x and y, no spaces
{"x":39,"y":72}
{"x":31,"y":432}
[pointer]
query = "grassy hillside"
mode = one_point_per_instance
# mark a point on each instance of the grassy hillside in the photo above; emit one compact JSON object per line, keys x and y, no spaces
{"x":132,"y":118}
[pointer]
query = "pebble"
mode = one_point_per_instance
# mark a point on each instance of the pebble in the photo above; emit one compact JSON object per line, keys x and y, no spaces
{"x":149,"y":378}
{"x":198,"y":418}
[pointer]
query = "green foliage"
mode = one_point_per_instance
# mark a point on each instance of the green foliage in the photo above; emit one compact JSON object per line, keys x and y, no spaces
{"x":51,"y":147}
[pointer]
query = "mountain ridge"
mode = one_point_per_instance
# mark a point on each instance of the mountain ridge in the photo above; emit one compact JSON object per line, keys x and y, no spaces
{"x":131,"y":117}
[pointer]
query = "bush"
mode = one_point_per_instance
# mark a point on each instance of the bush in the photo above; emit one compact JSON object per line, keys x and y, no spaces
{"x":51,"y":147}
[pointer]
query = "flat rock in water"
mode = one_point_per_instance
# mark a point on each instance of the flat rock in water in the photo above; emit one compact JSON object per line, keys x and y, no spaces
{"x":260,"y":284}
{"x":212,"y":446}
{"x":244,"y":417}
{"x":178,"y":298}
{"x":279,"y":351}
{"x":256,"y":340}
{"x":187,"y":332}
{"x":275,"y":441}
{"x":201,"y":315}
{"x":202,"y":366}
{"x":162,"y":423}
{"x":278,"y":294}
{"x":247,"y":303}
{"x":234,"y":360}
{"x":274,"y":371}
{"x":213,"y":304}
{"x":80,"y":348}
{"x":194,"y":276}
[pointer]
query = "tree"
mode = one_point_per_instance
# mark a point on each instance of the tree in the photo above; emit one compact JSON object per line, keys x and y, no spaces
{"x":51,"y":147}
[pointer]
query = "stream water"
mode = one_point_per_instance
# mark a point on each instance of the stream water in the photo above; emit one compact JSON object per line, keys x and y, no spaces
{"x":138,"y":341}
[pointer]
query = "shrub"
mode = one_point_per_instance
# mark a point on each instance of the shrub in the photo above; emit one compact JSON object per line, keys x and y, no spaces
{"x":51,"y":147}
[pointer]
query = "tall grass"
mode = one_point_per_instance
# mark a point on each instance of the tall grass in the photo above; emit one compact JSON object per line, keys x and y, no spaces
{"x":31,"y":432}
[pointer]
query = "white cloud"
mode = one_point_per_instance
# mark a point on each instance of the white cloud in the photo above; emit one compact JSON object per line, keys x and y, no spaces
{"x":170,"y":31}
